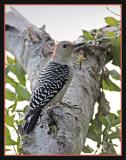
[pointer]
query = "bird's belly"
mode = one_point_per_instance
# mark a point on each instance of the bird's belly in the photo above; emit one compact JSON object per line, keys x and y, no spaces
{"x":58,"y":98}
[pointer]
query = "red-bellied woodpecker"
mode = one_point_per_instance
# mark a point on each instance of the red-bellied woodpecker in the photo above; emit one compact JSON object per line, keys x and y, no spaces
{"x":52,"y":83}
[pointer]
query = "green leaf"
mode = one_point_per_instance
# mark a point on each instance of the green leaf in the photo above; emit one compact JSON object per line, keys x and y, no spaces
{"x":19,"y":72}
{"x":22,"y":93}
{"x":119,"y":112}
{"x":20,"y":122}
{"x":111,"y":21}
{"x":115,"y":50}
{"x":25,"y":109}
{"x":19,"y":148}
{"x":12,"y":107}
{"x":110,"y":34}
{"x":109,"y":85}
{"x":116,"y":122}
{"x":87,"y":149}
{"x":10,"y":120}
{"x":94,"y":134}
{"x":8,"y":69}
{"x":9,"y":141}
{"x":10,"y":60}
{"x":10,"y":95}
{"x":114,"y":135}
{"x":11,"y":81}
{"x":105,"y":120}
{"x":95,"y":131}
{"x":88,"y":35}
{"x":114,"y":119}
{"x":114,"y":74}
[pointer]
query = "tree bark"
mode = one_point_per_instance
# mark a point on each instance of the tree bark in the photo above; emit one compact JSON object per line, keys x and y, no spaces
{"x":63,"y":129}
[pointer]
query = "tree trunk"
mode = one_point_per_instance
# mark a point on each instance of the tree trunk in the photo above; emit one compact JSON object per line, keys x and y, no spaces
{"x":64,"y":128}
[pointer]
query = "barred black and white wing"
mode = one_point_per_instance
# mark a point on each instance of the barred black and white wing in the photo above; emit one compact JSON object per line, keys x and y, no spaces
{"x":51,"y":80}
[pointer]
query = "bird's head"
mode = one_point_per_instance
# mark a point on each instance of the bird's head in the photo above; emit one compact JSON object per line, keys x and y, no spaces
{"x":64,"y":48}
{"x":63,"y":51}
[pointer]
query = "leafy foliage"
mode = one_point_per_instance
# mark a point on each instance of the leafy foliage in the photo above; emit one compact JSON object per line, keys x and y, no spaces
{"x":102,"y":131}
{"x":20,"y":93}
{"x":100,"y":37}
{"x":116,"y":51}
{"x":9,"y":141}
{"x":114,"y":74}
{"x":88,"y":35}
{"x":107,"y":83}
{"x":106,"y":125}
{"x":87,"y":149}
{"x":112,"y":21}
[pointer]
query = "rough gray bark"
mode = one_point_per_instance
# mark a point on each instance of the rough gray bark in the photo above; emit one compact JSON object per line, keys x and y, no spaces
{"x":63,"y":130}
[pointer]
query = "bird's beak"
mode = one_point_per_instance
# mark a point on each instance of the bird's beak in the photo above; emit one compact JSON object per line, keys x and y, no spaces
{"x":77,"y":45}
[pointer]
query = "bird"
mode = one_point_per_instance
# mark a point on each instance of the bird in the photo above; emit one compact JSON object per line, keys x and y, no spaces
{"x":52,"y":83}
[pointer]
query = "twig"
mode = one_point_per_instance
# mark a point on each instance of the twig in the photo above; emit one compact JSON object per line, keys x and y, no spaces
{"x":96,"y":150}
{"x":14,"y":149}
{"x":112,"y":11}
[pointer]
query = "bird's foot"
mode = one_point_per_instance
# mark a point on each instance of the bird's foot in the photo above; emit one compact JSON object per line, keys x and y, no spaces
{"x":50,"y":109}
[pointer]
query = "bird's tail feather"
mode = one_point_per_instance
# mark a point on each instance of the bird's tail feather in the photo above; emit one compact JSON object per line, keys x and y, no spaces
{"x":31,"y":121}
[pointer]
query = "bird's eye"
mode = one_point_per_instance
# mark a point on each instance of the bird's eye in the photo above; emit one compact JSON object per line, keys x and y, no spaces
{"x":64,"y":46}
